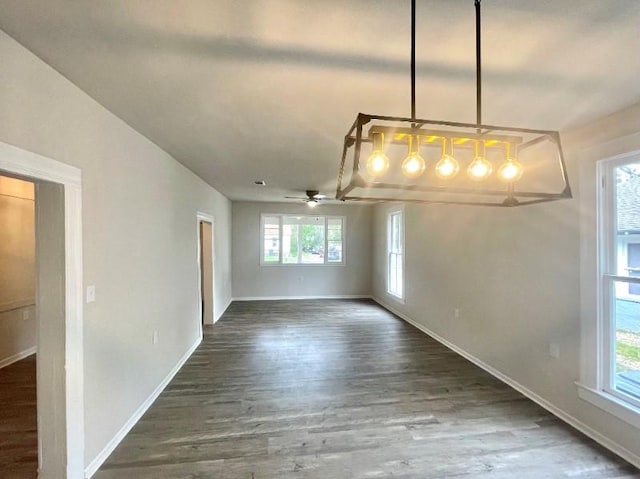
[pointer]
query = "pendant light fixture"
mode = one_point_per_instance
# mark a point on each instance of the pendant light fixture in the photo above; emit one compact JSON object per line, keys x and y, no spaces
{"x":491,"y":165}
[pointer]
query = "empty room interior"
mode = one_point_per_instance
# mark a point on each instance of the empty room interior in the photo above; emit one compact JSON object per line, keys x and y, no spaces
{"x":337,"y":239}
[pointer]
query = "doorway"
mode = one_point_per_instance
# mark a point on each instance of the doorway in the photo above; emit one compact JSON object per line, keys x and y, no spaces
{"x":19,"y":456}
{"x":205,"y":267}
{"x":58,"y":312}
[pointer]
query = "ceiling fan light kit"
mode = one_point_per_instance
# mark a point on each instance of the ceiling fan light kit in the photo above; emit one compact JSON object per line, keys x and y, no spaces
{"x":388,"y":158}
{"x":312,"y":199}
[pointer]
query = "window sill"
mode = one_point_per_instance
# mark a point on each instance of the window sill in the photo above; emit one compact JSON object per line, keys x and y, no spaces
{"x":611,"y":404}
{"x":270,"y":265}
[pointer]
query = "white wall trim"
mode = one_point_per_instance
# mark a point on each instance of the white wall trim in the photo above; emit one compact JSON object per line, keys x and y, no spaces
{"x":292,"y":298}
{"x":612,"y":404}
{"x":24,"y":163}
{"x":74,"y":330}
{"x":102,"y":456}
{"x":17,"y":357}
{"x":566,"y":417}
{"x":32,"y":165}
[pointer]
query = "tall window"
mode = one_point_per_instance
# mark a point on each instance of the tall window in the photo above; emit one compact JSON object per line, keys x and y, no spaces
{"x":619,"y":225}
{"x":395,"y":254}
{"x":302,"y":239}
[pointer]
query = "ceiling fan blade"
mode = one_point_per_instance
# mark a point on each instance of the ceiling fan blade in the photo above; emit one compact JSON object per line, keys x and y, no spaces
{"x":312,"y":195}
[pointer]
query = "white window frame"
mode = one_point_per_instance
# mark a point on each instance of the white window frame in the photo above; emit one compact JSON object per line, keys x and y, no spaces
{"x":598,"y":330}
{"x":326,"y":262}
{"x":390,"y":214}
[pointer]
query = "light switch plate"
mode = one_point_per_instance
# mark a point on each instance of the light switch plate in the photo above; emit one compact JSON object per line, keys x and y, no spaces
{"x":91,"y":293}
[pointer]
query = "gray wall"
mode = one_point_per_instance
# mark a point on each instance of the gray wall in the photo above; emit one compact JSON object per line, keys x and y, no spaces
{"x":17,"y":334}
{"x":139,"y":233}
{"x":252,"y":280}
{"x":515,"y":275}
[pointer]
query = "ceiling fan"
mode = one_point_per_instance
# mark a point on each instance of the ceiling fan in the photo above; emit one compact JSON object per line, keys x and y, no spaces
{"x":312,"y":199}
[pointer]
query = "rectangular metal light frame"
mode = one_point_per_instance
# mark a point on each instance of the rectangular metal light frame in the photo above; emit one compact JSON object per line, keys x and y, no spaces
{"x":508,"y":197}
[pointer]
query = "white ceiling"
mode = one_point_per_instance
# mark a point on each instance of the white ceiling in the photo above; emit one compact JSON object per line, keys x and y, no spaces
{"x":266,"y":89}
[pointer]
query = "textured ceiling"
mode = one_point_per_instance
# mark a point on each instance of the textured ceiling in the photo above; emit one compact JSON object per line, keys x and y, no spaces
{"x":266,"y":89}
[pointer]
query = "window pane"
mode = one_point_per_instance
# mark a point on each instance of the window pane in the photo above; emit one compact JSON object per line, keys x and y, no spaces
{"x":628,"y":223}
{"x":271,"y":236}
{"x":290,"y":243}
{"x":312,"y":239}
{"x":303,"y":239}
{"x":626,"y":317}
{"x":396,"y":233}
{"x":395,"y":273}
{"x":334,"y":240}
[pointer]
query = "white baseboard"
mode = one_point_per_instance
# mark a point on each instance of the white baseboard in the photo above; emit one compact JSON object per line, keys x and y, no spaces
{"x":17,"y":357}
{"x":95,"y":464}
{"x":215,"y":320}
{"x":292,"y":298}
{"x":556,"y":411}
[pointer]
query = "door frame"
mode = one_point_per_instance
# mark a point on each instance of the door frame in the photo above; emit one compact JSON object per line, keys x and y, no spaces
{"x":36,"y":167}
{"x":200,"y":217}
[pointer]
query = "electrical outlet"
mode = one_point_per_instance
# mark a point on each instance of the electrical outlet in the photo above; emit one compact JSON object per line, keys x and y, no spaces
{"x":26,"y":315}
{"x":456,"y":313}
{"x":554,"y":350}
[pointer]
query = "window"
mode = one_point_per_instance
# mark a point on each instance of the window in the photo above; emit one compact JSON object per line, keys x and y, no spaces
{"x":395,"y":254}
{"x":619,"y":249}
{"x":302,"y":239}
{"x":271,"y":239}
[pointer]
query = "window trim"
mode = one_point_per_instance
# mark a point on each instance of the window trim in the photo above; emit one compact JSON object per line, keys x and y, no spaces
{"x":608,"y":274}
{"x":598,"y":248}
{"x":390,"y":213}
{"x":326,"y":240}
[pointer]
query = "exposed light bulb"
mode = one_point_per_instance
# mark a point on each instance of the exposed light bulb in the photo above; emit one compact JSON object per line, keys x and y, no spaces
{"x":479,"y":169}
{"x":413,"y":165}
{"x":312,"y":203}
{"x":447,"y":167}
{"x":510,"y":171}
{"x":378,"y":163}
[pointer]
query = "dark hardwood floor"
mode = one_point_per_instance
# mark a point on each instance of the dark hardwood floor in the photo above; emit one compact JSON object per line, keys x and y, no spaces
{"x":342,"y":389}
{"x":18,"y":423}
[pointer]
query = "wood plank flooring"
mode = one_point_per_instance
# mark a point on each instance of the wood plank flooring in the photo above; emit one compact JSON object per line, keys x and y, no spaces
{"x":343,"y":389}
{"x":18,"y":423}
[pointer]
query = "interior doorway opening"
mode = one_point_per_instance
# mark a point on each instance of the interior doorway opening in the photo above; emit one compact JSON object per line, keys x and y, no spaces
{"x":206,"y":268}
{"x":58,"y":310}
{"x":18,"y":334}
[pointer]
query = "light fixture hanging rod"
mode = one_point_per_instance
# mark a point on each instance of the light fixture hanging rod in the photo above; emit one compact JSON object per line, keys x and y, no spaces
{"x":413,"y":59}
{"x":478,"y":67}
